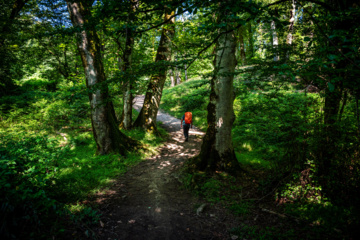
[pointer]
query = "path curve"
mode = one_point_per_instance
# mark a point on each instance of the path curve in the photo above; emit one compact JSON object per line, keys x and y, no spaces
{"x":148,"y":202}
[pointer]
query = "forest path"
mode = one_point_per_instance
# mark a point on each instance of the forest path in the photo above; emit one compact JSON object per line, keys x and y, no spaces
{"x":148,"y":201}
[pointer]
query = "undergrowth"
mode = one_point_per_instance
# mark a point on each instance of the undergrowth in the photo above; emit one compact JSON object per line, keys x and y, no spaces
{"x":48,"y":166}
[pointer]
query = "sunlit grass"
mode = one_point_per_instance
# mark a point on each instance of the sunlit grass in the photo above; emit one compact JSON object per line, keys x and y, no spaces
{"x":253,"y":159}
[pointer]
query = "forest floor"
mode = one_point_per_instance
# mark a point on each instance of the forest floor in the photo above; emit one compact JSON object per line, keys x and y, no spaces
{"x":149,"y":202}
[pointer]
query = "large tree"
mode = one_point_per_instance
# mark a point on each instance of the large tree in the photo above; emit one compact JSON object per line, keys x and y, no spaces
{"x":105,"y":130}
{"x":217,"y":152}
{"x":128,"y":84}
{"x":147,"y":116}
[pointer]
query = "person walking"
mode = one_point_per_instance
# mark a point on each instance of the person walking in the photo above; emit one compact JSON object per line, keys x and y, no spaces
{"x":186,"y":124}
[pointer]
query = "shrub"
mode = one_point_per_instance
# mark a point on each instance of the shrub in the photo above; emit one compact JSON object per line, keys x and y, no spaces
{"x":27,"y":172}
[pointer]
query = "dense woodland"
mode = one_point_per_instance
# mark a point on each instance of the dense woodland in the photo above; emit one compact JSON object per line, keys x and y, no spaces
{"x":274,"y":84}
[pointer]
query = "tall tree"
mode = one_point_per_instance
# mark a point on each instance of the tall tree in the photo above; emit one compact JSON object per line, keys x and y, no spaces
{"x":241,"y":31}
{"x":147,"y":116}
{"x":128,"y":86}
{"x":251,"y":40}
{"x":107,"y":136}
{"x":275,"y":40}
{"x":289,"y":37}
{"x":217,"y":152}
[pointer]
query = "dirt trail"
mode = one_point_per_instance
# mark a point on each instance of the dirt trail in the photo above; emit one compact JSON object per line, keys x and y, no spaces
{"x":149,"y":203}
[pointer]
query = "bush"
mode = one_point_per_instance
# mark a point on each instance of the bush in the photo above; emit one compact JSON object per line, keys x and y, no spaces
{"x":27,"y":172}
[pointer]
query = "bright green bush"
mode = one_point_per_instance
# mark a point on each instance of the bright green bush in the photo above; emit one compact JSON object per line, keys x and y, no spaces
{"x":277,"y":125}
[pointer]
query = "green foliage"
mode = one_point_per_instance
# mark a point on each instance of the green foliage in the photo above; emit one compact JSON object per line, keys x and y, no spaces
{"x":48,"y":164}
{"x":28,"y":172}
{"x":275,"y":124}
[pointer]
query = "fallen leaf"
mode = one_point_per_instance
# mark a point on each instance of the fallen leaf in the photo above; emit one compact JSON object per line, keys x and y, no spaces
{"x":101,"y":224}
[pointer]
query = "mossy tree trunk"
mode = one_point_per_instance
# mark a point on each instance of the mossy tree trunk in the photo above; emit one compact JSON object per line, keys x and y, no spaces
{"x":147,"y":116}
{"x":106,"y":133}
{"x":217,"y":152}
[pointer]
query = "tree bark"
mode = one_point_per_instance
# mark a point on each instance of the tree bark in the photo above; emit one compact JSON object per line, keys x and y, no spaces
{"x":172,"y":79}
{"x":275,"y":41}
{"x":178,"y":76}
{"x":242,"y":47}
{"x":289,"y":37}
{"x":251,"y":41}
{"x":107,"y":136}
{"x":217,"y":152}
{"x":147,"y":115}
{"x":128,"y":86}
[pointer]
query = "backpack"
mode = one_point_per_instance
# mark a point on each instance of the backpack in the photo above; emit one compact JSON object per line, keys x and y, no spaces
{"x":188,"y":118}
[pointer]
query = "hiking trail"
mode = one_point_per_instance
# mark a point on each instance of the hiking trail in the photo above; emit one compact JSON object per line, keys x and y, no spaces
{"x":148,"y":201}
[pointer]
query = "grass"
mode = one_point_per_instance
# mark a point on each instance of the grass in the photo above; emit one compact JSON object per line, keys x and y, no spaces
{"x":253,"y":159}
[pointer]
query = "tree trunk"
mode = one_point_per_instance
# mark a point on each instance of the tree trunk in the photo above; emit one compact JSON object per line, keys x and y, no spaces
{"x":172,"y":79}
{"x":275,"y":41}
{"x":289,"y":36}
{"x":178,"y":76}
{"x":107,"y":136}
{"x":242,"y":47}
{"x":251,"y":41}
{"x":128,"y":85}
{"x":217,"y":152}
{"x":147,"y":115}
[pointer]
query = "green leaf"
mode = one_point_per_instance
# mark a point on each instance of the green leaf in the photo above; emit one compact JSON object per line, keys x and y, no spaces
{"x":307,"y":39}
{"x":332,"y":57}
{"x":331,"y":86}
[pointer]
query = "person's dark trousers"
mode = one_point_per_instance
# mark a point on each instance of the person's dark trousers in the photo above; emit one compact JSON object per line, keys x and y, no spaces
{"x":186,"y":131}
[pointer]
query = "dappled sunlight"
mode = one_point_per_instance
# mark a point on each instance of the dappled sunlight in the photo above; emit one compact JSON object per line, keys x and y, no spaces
{"x":164,"y":164}
{"x":220,"y":122}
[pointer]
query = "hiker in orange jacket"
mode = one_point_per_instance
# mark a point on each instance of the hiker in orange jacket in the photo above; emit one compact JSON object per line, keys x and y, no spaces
{"x":186,"y":121}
